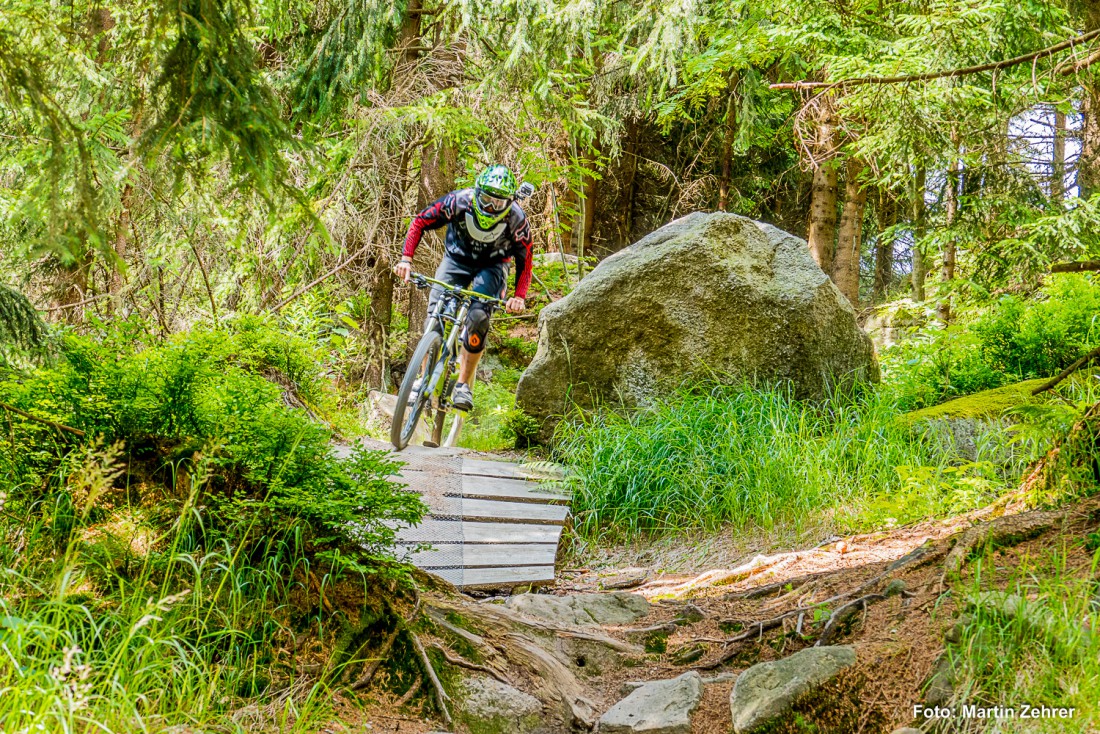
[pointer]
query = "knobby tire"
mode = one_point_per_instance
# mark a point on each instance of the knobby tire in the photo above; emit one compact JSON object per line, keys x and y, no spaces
{"x":422,"y":364}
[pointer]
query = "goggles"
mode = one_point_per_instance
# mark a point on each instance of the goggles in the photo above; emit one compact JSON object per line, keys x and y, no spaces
{"x":492,"y":204}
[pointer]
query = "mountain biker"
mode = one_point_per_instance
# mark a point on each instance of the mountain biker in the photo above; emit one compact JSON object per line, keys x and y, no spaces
{"x":486,"y":230}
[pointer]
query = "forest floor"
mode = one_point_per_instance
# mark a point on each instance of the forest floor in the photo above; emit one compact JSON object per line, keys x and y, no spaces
{"x":902,"y":591}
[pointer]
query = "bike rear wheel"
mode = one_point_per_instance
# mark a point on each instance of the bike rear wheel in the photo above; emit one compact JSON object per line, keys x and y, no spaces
{"x":421,"y":366}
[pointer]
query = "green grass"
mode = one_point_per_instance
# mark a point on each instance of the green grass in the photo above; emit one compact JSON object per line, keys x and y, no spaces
{"x":758,"y":458}
{"x":1043,"y":652}
{"x":128,"y":627}
{"x":489,"y":426}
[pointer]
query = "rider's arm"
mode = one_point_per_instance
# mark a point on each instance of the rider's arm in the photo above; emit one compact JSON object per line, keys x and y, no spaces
{"x":522,"y":251}
{"x":439,"y":214}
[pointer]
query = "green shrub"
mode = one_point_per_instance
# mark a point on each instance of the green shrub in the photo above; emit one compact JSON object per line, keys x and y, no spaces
{"x":207,"y":393}
{"x":759,"y":458}
{"x":168,"y":549}
{"x":1006,"y":342}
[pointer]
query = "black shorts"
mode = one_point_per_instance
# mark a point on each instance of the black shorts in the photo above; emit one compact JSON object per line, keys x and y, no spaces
{"x":488,"y":280}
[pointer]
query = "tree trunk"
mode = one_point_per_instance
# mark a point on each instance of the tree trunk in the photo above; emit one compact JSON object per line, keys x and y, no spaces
{"x":920,"y":268}
{"x":377,"y":328}
{"x":630,"y":174}
{"x":846,"y":266}
{"x":588,"y":205}
{"x":438,"y":170}
{"x":823,"y":197}
{"x":951,"y":205}
{"x":1088,"y":163}
{"x":729,"y":132}
{"x":884,"y":247}
{"x":1058,"y":159}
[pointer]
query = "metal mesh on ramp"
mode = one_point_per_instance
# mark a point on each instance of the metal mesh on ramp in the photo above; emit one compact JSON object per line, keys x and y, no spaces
{"x":435,"y":475}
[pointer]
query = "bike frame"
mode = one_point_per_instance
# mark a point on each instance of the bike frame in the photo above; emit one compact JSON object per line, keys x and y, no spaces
{"x":451,"y":325}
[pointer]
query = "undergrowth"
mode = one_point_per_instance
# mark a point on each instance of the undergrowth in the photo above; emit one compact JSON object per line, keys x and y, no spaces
{"x":1029,"y":638}
{"x":177,"y":536}
{"x":758,"y":458}
{"x":1008,"y":341}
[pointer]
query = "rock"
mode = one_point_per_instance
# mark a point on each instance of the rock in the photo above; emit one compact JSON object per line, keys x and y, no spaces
{"x":719,"y":678}
{"x":895,"y":587}
{"x":489,"y":705}
{"x":766,"y":691}
{"x":658,"y":707}
{"x":954,"y":633}
{"x":940,"y":687}
{"x":896,"y":322}
{"x":582,"y":609}
{"x":626,"y":579}
{"x":549,"y":258}
{"x":707,"y":295}
{"x":378,"y":414}
{"x":1033,"y":618}
{"x":488,"y":366}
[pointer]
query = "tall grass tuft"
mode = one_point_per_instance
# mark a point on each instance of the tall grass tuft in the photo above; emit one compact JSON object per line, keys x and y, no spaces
{"x":1029,"y":637}
{"x":120,"y":630}
{"x":706,"y":457}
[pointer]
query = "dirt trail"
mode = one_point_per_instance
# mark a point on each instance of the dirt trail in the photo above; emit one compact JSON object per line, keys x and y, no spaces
{"x":884,"y":593}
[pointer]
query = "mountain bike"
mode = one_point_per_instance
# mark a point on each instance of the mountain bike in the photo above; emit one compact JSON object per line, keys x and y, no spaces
{"x":431,"y":376}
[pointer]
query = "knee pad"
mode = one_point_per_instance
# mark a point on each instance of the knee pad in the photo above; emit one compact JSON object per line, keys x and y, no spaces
{"x":477,"y":327}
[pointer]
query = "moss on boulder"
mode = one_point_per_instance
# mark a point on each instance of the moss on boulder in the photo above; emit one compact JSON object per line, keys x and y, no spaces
{"x":985,"y":404}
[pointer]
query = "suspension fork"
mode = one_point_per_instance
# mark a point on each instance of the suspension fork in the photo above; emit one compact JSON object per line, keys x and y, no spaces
{"x":451,"y":347}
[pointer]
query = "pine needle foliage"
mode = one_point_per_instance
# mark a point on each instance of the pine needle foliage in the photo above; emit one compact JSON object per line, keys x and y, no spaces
{"x":352,"y":52}
{"x":213,"y":97}
{"x":21,"y":329}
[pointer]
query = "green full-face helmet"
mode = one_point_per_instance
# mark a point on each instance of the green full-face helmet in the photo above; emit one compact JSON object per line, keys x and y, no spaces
{"x":494,"y":190}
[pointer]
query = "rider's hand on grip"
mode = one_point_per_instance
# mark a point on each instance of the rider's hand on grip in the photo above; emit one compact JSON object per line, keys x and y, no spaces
{"x":515,"y":305}
{"x":403,"y":270}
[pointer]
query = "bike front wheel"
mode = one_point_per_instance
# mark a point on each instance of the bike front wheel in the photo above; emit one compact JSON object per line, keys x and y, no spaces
{"x":406,"y":413}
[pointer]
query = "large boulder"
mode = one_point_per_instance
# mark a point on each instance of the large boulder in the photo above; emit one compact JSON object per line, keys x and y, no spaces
{"x":487,"y":705}
{"x":708,"y":296}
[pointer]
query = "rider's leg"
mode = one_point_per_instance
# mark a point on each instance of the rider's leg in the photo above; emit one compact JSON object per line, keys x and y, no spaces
{"x":490,"y":282}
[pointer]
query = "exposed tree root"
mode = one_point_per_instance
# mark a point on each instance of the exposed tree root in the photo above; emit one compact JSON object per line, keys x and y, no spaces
{"x":461,"y":662}
{"x":367,"y":676}
{"x":842,"y":614}
{"x":725,"y":577}
{"x":1004,"y":530}
{"x":441,"y":696}
{"x":408,"y":695}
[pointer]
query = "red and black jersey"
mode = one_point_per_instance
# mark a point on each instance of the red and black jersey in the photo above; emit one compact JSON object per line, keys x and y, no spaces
{"x":509,"y":240}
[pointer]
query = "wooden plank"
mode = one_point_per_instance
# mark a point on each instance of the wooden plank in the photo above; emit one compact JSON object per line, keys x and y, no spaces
{"x":479,"y":532}
{"x":492,"y":577}
{"x":484,"y":555}
{"x":483,"y":487}
{"x":514,"y":490}
{"x":486,"y":468}
{"x":479,"y":510}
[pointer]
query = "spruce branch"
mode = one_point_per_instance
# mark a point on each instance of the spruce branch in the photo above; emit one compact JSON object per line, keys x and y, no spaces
{"x":928,"y":76}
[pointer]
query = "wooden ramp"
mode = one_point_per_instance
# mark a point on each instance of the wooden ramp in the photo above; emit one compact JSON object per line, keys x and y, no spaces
{"x":490,"y":523}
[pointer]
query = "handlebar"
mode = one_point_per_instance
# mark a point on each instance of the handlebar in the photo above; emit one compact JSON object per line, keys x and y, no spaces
{"x":423,"y":281}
